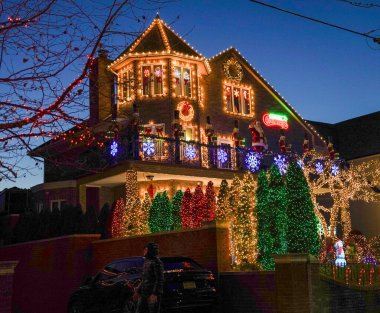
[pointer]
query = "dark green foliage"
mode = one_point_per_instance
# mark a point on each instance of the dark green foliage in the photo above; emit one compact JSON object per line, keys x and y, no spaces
{"x":72,"y":220}
{"x":264,"y":223}
{"x":277,"y":203}
{"x":302,"y":234}
{"x":160,"y":215}
{"x":176,"y":205}
{"x":90,"y":221}
{"x":103,"y":221}
{"x":55,"y":225}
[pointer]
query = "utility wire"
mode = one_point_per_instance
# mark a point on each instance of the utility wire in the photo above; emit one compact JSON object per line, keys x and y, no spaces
{"x":375,"y":39}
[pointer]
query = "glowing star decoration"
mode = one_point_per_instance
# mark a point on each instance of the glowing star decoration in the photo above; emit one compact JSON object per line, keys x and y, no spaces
{"x":335,"y":169}
{"x":222,"y":156}
{"x":280,"y":161}
{"x":190,"y":152}
{"x":275,"y":120}
{"x":149,"y":147}
{"x":114,"y":148}
{"x":301,"y":164}
{"x":253,"y":161}
{"x":319,"y":167}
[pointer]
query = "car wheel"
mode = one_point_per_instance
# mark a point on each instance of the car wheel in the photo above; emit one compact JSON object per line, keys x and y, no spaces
{"x":129,"y":307}
{"x":76,"y":307}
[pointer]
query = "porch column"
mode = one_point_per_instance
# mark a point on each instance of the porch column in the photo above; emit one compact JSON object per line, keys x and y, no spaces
{"x":7,"y":269}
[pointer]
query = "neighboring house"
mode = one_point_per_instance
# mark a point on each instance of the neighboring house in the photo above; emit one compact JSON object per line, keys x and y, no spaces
{"x":15,"y":200}
{"x":171,"y":143}
{"x":358,"y":140}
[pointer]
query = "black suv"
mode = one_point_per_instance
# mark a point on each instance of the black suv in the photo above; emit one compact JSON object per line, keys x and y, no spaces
{"x":187,"y":286}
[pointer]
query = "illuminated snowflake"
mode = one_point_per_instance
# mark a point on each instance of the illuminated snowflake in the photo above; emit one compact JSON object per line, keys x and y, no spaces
{"x":114,"y":148}
{"x":319,"y":167}
{"x":222,"y":156}
{"x":335,"y":169}
{"x":253,"y":161}
{"x":280,"y":161}
{"x":149,"y":147}
{"x":301,"y":164}
{"x":190,"y":152}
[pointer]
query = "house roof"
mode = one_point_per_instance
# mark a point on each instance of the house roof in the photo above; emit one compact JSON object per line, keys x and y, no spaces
{"x":354,"y":138}
{"x":273,"y":91}
{"x":160,"y":38}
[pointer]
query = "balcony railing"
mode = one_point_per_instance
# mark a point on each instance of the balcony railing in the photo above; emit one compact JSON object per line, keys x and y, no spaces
{"x":189,"y":153}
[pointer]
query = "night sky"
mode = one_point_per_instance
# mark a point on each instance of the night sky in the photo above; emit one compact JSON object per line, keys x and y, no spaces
{"x":327,"y":74}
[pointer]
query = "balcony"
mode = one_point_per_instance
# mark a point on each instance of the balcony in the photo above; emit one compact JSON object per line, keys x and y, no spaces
{"x":165,"y":150}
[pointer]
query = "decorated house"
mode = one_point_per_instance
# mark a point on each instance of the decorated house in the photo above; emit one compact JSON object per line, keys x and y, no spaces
{"x":174,"y":116}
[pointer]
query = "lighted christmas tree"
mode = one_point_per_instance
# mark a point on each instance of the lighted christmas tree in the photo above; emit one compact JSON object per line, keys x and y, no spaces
{"x":136,"y":218}
{"x":210,"y":201}
{"x":277,"y":204}
{"x":154,"y":213}
{"x":145,"y":207}
{"x":264,"y":223}
{"x":234,"y":194}
{"x":186,"y":213}
{"x":222,"y":211}
{"x":160,"y":216}
{"x":198,"y":207}
{"x":302,"y":234}
{"x":244,"y":225}
{"x":118,"y":220}
{"x":131,"y":188}
{"x":176,"y":207}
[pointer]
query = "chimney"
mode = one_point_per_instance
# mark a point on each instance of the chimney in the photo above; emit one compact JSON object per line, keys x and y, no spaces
{"x":101,"y":88}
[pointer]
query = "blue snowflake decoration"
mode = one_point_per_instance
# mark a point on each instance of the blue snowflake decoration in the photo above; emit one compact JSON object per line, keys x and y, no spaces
{"x":319,"y":167}
{"x":149,"y":148}
{"x":335,"y":169}
{"x":301,"y":164}
{"x":190,"y":152}
{"x":222,"y":156}
{"x":280,"y":161}
{"x":253,"y":161}
{"x":114,"y":148}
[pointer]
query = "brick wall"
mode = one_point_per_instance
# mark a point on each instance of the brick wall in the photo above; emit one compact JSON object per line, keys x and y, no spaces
{"x":6,"y":285}
{"x":208,"y":246}
{"x":48,"y":272}
{"x":247,"y":292}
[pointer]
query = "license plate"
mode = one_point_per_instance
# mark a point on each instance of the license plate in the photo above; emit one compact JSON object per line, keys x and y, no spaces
{"x":189,"y":285}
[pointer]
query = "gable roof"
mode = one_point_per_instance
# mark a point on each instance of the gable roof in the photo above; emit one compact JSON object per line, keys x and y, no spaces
{"x":159,"y":37}
{"x":281,"y":100}
{"x":354,"y":138}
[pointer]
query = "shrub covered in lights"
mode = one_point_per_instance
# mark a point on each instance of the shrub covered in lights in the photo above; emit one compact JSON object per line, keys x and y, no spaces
{"x":176,"y":206}
{"x":302,"y":234}
{"x":277,"y":204}
{"x":264,"y":223}
{"x":160,"y":215}
{"x":222,"y":211}
{"x":210,"y":204}
{"x":198,"y":207}
{"x":186,"y":213}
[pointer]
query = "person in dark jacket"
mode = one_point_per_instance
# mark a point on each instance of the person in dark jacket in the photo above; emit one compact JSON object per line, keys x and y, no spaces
{"x":150,"y":290}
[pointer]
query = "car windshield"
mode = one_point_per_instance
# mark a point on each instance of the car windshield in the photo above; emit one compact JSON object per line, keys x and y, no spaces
{"x":181,"y":265}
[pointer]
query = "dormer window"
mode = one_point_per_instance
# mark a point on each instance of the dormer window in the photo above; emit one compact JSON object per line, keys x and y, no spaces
{"x":182,"y":81}
{"x":127,"y":85}
{"x":238,"y":99}
{"x":152,"y":80}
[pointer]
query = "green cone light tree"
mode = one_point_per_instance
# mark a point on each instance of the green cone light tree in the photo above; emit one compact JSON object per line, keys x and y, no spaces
{"x":302,"y":233}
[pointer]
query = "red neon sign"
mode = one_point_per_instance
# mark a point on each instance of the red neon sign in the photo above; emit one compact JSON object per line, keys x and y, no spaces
{"x":275,"y":120}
